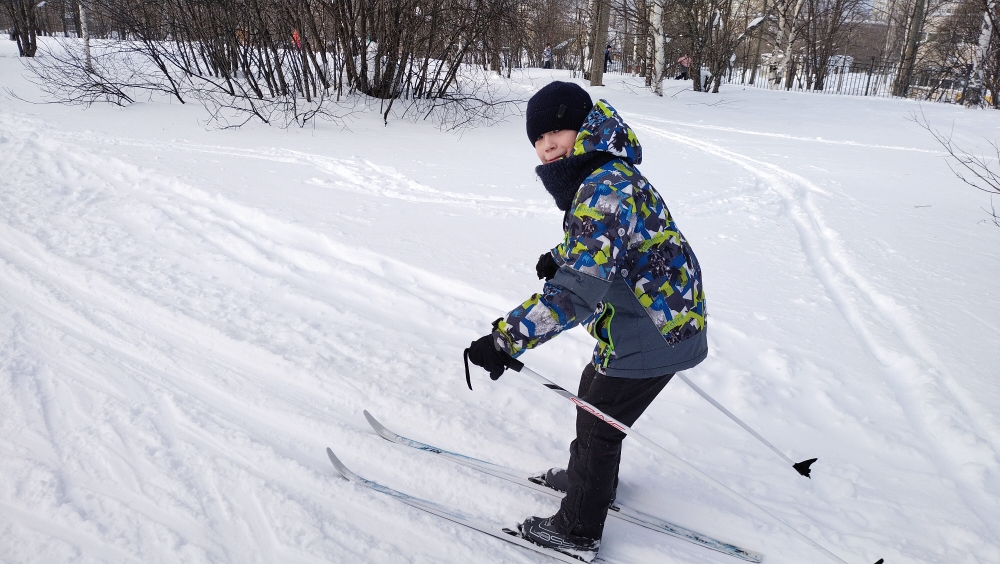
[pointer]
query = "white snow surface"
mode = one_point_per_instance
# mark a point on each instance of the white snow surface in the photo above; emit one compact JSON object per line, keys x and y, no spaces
{"x":189,"y":316}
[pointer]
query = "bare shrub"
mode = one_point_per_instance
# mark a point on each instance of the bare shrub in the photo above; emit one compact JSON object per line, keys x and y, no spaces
{"x":290,"y":61}
{"x":981,"y":171}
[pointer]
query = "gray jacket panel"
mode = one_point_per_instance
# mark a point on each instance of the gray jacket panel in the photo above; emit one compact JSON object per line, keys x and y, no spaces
{"x":640,"y":349}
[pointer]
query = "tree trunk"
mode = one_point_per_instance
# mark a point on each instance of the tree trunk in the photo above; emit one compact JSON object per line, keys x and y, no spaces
{"x":902,"y":85}
{"x":648,"y":67}
{"x":86,"y":38}
{"x":25,"y":26}
{"x":659,"y":47}
{"x":695,"y":70}
{"x":76,"y":19}
{"x":784,"y":40}
{"x":587,"y":42}
{"x":974,"y":92}
{"x":603,"y":9}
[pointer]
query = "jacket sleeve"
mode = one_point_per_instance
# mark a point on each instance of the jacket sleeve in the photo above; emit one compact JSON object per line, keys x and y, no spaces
{"x":595,"y":236}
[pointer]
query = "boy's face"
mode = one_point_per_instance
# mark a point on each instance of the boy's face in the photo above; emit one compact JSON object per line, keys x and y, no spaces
{"x":555,"y":145}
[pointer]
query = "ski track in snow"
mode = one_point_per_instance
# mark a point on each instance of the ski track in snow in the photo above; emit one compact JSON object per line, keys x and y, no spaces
{"x":156,"y":327}
{"x":784,"y":135}
{"x":184,"y":390}
{"x":355,"y":175}
{"x":945,"y":412}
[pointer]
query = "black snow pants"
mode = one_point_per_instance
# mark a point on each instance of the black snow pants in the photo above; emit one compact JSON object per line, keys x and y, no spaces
{"x":595,"y":454}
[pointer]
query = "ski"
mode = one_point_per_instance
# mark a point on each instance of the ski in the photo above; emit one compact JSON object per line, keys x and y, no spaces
{"x":617,"y":510}
{"x":453,"y":515}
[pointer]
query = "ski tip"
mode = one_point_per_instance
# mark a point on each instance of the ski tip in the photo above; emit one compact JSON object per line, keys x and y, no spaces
{"x":337,"y":464}
{"x":880,"y":561}
{"x":379,"y":428}
{"x":803,"y":468}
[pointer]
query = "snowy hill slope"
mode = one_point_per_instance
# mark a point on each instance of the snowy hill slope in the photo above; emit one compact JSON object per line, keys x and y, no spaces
{"x":189,"y":316}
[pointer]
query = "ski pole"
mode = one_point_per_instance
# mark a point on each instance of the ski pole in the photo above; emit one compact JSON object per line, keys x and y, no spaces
{"x":519,"y":366}
{"x":800,"y":467}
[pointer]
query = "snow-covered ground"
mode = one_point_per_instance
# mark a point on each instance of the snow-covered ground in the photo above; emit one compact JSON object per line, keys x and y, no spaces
{"x":188,"y":316}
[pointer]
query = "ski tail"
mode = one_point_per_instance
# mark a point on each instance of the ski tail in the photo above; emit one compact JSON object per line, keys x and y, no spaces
{"x":447,"y":513}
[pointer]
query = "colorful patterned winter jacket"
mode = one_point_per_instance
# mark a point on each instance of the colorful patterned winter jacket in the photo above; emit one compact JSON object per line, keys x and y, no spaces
{"x":625,"y":269}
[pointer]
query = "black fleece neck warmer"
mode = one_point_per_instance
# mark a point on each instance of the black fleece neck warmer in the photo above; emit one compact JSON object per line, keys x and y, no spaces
{"x":563,"y":178}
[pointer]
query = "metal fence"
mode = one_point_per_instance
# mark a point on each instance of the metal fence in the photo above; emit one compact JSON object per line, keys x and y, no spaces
{"x":851,"y":78}
{"x":843,"y":75}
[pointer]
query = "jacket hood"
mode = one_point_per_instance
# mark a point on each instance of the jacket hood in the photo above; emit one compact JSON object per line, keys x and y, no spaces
{"x":605,"y":130}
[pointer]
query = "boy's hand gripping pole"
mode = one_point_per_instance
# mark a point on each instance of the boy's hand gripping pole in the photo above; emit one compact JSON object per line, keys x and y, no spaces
{"x":518,"y":366}
{"x":512,"y":363}
{"x":800,"y":467}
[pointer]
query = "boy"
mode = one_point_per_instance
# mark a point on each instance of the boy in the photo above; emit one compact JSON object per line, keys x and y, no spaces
{"x":625,"y":271}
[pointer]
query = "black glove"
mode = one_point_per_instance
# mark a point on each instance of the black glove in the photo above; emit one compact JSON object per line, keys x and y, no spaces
{"x":546,"y":267}
{"x":483,"y":353}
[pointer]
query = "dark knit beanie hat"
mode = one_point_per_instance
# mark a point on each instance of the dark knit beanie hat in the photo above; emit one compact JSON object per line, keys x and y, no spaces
{"x":558,"y":105}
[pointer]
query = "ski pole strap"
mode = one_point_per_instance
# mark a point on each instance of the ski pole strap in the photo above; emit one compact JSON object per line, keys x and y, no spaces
{"x":468,"y":377}
{"x":512,"y":363}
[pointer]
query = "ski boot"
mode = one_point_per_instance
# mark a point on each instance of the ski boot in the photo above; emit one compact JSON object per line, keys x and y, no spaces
{"x":555,"y":478}
{"x":558,"y":479}
{"x":541,"y":531}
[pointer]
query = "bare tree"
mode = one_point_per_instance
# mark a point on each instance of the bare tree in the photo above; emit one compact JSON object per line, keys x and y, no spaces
{"x":23,"y":16}
{"x":981,"y":171}
{"x":828,"y":23}
{"x":602,"y":19}
{"x":83,"y":31}
{"x":549,"y":22}
{"x":909,"y":55}
{"x":287,"y":61}
{"x":697,"y":17}
{"x":641,"y":33}
{"x":714,"y":29}
{"x":657,"y":30}
{"x":985,"y":67}
{"x":787,"y":14}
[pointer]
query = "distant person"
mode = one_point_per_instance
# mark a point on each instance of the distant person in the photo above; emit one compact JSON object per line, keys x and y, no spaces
{"x":607,"y":58}
{"x":685,"y":64}
{"x":625,"y":271}
{"x":547,"y":56}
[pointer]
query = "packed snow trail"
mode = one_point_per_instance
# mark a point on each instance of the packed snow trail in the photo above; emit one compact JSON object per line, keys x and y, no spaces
{"x":174,"y":394}
{"x":188,"y":317}
{"x":945,"y":412}
{"x":356,"y":175}
{"x":781,"y":136}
